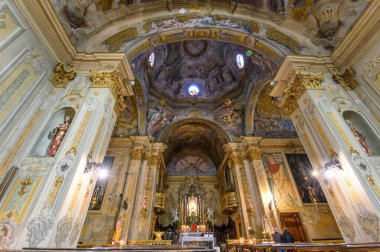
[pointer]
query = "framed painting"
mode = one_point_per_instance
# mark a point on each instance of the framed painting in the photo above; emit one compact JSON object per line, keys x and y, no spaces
{"x":308,"y":186}
{"x":101,"y":185}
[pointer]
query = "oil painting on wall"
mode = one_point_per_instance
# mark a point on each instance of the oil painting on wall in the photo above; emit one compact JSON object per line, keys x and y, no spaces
{"x":101,"y":185}
{"x":279,"y":180}
{"x":308,"y":186}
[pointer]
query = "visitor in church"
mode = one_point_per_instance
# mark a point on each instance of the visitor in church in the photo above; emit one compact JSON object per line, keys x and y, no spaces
{"x":277,"y":237}
{"x":287,"y":237}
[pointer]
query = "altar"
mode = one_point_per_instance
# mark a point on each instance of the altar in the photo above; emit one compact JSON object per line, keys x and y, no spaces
{"x":196,"y":237}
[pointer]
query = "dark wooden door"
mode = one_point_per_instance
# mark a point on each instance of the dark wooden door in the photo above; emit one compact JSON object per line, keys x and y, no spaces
{"x":293,"y":223}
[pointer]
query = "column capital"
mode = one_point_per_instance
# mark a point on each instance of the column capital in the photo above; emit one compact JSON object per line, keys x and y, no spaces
{"x":60,"y":77}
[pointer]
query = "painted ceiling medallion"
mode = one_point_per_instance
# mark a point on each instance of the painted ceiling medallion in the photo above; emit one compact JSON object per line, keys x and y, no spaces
{"x":195,"y":48}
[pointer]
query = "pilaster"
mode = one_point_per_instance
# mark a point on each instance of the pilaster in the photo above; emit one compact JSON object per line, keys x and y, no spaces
{"x":327,"y":117}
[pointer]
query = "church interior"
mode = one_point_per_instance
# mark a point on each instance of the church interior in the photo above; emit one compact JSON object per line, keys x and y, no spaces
{"x":190,"y":125}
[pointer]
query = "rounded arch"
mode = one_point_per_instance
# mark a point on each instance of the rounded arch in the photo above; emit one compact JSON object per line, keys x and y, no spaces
{"x":196,"y":134}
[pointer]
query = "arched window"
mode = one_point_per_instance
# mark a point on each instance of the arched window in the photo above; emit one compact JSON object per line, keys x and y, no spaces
{"x":240,"y":60}
{"x":151,"y":59}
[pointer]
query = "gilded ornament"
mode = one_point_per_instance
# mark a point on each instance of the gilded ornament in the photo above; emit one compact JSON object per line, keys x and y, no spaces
{"x":267,"y":51}
{"x":10,"y":214}
{"x":109,"y":80}
{"x":255,"y":154}
{"x":137,"y":153}
{"x":24,"y":184}
{"x":73,"y":150}
{"x":58,"y":181}
{"x":347,"y":80}
{"x":115,"y":41}
{"x":301,"y":83}
{"x":300,"y":13}
{"x":61,"y":77}
{"x":282,"y":38}
{"x":237,"y":159}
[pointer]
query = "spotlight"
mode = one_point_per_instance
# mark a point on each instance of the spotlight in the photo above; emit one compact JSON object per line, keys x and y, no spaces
{"x":103,"y":173}
{"x":273,"y":83}
{"x":132,"y":82}
{"x":314,"y":173}
{"x":182,"y":11}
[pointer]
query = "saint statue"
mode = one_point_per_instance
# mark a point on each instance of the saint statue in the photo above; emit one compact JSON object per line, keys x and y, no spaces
{"x":175,"y":214}
{"x":359,"y":136}
{"x":210,"y":214}
{"x":57,"y":135}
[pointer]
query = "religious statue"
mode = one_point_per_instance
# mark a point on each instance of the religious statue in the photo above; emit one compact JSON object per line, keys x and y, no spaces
{"x":57,"y":135}
{"x":359,"y":136}
{"x":175,"y":213}
{"x":210,"y":214}
{"x":118,"y":229}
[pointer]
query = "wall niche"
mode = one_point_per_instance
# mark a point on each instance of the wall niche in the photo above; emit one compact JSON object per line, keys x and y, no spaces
{"x":53,"y":134}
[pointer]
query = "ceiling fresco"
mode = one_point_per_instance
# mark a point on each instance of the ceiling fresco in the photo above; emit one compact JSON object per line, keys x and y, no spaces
{"x":201,"y":67}
{"x":301,"y":25}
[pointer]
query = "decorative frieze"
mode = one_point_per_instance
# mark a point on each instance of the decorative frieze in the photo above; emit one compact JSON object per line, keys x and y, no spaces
{"x":61,"y":77}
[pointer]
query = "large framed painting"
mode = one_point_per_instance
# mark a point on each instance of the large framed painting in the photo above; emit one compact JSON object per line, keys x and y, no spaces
{"x":101,"y":185}
{"x":308,"y":186}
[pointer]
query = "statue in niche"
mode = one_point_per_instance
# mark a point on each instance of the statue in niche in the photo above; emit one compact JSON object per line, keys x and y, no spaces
{"x":175,"y":213}
{"x":359,"y":136}
{"x":210,"y":214}
{"x":57,"y":135}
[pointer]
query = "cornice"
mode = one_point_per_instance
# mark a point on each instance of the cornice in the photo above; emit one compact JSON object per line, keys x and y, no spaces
{"x":45,"y":22}
{"x":362,"y":36}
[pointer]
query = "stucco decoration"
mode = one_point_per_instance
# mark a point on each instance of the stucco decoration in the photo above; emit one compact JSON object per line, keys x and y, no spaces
{"x":268,"y":119}
{"x":231,"y":116}
{"x":63,"y":229}
{"x":75,"y":232}
{"x":369,"y":222}
{"x":39,"y":227}
{"x":7,"y":233}
{"x":126,"y":124}
{"x":35,"y":59}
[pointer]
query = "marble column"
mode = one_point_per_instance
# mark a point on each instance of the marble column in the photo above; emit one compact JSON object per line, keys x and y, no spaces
{"x":317,"y":97}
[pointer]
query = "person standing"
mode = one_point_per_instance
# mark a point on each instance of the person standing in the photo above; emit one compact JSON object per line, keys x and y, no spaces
{"x":277,"y":237}
{"x":287,"y":237}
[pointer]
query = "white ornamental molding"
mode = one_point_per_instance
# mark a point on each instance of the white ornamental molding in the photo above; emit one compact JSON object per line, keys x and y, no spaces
{"x":34,"y":167}
{"x":75,"y":232}
{"x":372,"y":68}
{"x":63,"y":230}
{"x":360,"y":163}
{"x":347,"y":227}
{"x":8,"y":229}
{"x":38,"y":228}
{"x":35,"y":59}
{"x":369,"y":222}
{"x":375,"y":162}
{"x":66,"y":163}
{"x":91,"y":103}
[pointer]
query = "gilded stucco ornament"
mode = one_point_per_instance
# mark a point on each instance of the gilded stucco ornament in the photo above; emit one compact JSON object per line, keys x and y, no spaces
{"x":61,"y":77}
{"x":137,"y":153}
{"x":282,"y":38}
{"x":112,"y":81}
{"x":255,"y":154}
{"x":300,"y":83}
{"x":347,"y":79}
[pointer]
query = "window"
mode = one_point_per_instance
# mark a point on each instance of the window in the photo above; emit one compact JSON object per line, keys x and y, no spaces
{"x":151,"y":59}
{"x":240,"y":60}
{"x":193,"y":90}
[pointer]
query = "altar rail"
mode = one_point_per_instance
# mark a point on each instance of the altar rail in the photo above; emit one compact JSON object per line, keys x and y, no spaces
{"x":277,"y":247}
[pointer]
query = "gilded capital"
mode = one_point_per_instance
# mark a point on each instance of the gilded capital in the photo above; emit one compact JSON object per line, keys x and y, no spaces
{"x":109,"y":80}
{"x":60,"y":77}
{"x":255,"y":154}
{"x":347,"y":79}
{"x":237,"y":159}
{"x":137,"y":153}
{"x":153,"y":160}
{"x":299,"y":84}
